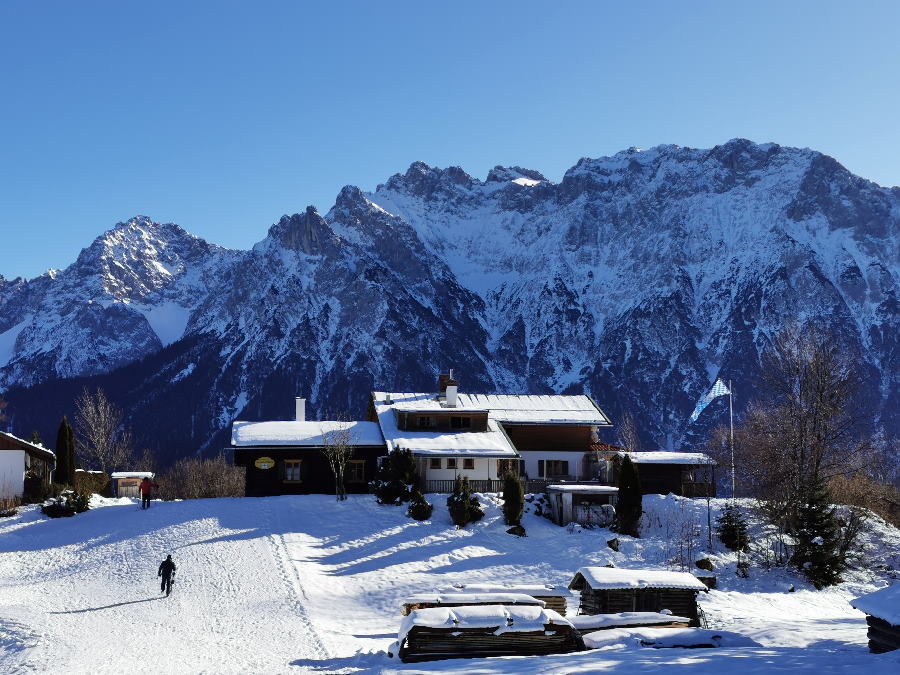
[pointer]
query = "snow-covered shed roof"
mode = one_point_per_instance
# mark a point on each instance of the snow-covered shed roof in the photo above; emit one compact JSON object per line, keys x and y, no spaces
{"x":302,"y":434}
{"x":466,"y":598}
{"x":131,"y":474}
{"x":534,"y":590}
{"x":491,"y":443}
{"x":22,"y":444}
{"x":507,"y":408}
{"x":504,"y":618}
{"x":883,"y":604}
{"x":663,"y":457}
{"x":614,"y":578}
{"x":585,"y":489}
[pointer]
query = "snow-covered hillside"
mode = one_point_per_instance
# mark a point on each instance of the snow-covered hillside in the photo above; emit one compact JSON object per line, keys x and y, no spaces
{"x":639,"y":278}
{"x":305,"y":584}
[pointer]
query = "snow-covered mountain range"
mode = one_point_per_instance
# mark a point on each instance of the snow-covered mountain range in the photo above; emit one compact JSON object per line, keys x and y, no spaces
{"x":639,"y":279}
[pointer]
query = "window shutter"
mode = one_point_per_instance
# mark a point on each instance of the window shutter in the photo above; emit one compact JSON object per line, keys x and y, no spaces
{"x":565,"y":467}
{"x":541,"y":468}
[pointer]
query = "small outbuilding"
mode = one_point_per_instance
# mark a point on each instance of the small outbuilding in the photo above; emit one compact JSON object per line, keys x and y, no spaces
{"x":488,"y":630}
{"x":585,"y":504}
{"x":610,"y":590}
{"x":25,"y":467}
{"x":128,"y":483}
{"x":882,"y":610}
{"x":686,"y":474}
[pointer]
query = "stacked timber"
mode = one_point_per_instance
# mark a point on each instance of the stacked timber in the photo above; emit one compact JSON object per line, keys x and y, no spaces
{"x":555,"y":598}
{"x":481,"y":631}
{"x":882,"y":610}
{"x":587,"y":623}
{"x":611,"y":590}
{"x":459,"y":599}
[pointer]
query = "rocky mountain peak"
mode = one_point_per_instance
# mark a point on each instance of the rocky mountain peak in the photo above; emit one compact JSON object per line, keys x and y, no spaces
{"x":306,"y":233}
{"x":505,"y":174}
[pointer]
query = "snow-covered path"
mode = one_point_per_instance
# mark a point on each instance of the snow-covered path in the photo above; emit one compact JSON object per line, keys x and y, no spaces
{"x":304,"y":584}
{"x":86,"y":588}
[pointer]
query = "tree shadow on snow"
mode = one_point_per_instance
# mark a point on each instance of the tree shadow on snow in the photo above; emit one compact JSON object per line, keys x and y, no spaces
{"x":118,"y":604}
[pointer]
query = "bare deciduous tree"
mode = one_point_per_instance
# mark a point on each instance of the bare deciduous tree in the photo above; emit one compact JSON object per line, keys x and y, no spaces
{"x":102,"y":439}
{"x":338,"y":449}
{"x":628,"y":434}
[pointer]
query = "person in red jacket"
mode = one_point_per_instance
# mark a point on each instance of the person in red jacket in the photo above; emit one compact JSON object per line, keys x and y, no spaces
{"x":146,"y":486}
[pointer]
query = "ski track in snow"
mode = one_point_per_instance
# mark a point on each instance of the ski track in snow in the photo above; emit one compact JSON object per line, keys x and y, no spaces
{"x":311,"y":585}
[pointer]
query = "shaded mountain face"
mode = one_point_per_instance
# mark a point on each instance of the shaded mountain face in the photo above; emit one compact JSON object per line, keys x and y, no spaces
{"x":638,"y":279}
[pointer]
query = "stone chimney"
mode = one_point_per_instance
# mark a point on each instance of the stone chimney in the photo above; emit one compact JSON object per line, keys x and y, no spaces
{"x":300,"y":407}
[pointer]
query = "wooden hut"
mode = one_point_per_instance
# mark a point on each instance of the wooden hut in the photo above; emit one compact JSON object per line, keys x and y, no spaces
{"x":554,"y":597}
{"x":610,"y":590}
{"x":454,"y":599}
{"x":882,"y":610}
{"x":488,"y":630}
{"x":25,"y":467}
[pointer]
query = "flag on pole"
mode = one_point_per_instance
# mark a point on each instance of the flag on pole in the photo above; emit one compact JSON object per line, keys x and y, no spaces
{"x":718,"y":389}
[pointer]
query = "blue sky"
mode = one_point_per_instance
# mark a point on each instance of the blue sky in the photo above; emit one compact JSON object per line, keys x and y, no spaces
{"x":221,"y":116}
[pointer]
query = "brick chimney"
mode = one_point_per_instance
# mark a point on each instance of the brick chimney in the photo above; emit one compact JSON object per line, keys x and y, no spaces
{"x":444,"y":380}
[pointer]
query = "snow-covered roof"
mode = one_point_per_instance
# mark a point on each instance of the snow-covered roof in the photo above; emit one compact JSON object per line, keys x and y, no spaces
{"x":504,"y":618}
{"x":610,"y":578}
{"x":508,"y":408}
{"x":303,"y":434}
{"x":534,"y":590}
{"x":668,"y":637}
{"x":585,"y":489}
{"x":131,"y":474}
{"x":585,"y":622}
{"x":491,"y":443}
{"x":466,"y":598}
{"x":883,"y":604}
{"x":662,"y":457}
{"x":31,"y":446}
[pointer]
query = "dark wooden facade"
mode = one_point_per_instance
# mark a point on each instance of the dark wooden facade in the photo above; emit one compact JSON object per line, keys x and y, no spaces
{"x":883,"y":636}
{"x":314,"y":475}
{"x":443,"y":420}
{"x":430,"y":644}
{"x":679,"y":601}
{"x":550,"y":437}
{"x":684,"y":480}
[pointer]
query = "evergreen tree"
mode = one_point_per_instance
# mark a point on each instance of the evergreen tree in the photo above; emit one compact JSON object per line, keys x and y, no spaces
{"x":818,"y":550}
{"x":462,"y":504}
{"x":513,"y":499}
{"x":65,"y":454}
{"x":630,"y":505}
{"x":396,"y":478}
{"x":419,"y":508}
{"x":731,"y":528}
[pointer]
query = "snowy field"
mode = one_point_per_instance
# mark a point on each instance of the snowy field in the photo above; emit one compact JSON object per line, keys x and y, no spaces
{"x":306,"y":584}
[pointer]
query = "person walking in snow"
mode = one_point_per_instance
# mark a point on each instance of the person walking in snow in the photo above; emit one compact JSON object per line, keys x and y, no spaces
{"x":167,"y":572}
{"x":146,"y":486}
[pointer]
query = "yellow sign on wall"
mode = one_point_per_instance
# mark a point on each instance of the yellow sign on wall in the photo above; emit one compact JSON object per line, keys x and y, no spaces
{"x":264,"y":463}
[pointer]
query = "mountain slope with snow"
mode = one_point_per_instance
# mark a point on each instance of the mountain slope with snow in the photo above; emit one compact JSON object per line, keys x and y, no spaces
{"x":639,"y":278}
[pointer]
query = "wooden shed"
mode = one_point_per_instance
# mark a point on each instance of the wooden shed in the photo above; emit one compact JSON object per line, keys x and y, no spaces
{"x":455,"y":599}
{"x":882,"y":610}
{"x":554,"y":597}
{"x":610,"y":590}
{"x":488,"y":630}
{"x":25,"y":467}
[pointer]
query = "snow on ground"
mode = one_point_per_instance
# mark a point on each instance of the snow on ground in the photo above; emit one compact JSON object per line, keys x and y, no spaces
{"x":306,"y":584}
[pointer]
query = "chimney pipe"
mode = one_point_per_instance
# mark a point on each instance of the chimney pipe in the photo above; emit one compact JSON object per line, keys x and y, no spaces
{"x":300,"y":406}
{"x":451,"y":395}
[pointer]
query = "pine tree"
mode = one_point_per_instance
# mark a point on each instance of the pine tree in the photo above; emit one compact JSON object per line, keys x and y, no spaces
{"x":818,"y":534}
{"x":462,"y":504}
{"x":630,"y":505}
{"x":419,"y":508}
{"x":513,"y":499}
{"x":65,"y":454}
{"x":731,"y":528}
{"x":396,"y":478}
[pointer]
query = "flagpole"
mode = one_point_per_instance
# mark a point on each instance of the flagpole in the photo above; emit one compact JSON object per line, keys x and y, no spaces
{"x":731,"y":427}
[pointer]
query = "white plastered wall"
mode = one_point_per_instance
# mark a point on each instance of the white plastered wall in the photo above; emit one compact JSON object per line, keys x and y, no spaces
{"x":12,"y":472}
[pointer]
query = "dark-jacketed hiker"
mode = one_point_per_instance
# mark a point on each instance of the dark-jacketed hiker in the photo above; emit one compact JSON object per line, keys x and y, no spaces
{"x":166,"y":571}
{"x":146,"y":487}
